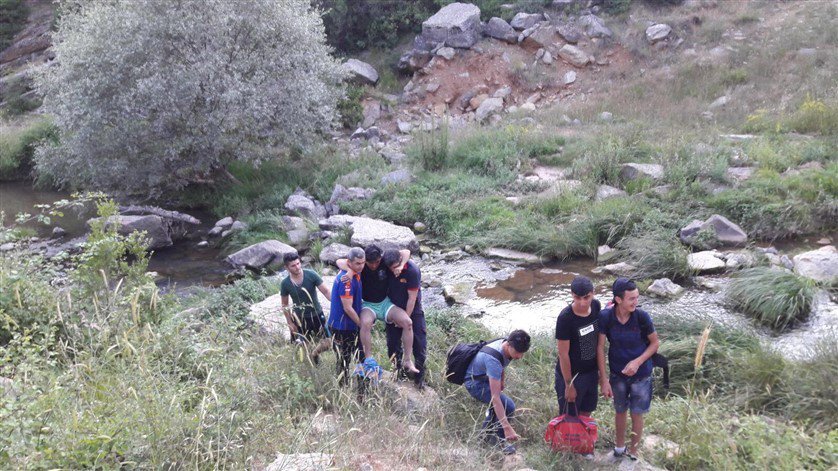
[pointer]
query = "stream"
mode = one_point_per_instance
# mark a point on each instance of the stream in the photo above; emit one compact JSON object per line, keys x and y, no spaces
{"x":502,"y":296}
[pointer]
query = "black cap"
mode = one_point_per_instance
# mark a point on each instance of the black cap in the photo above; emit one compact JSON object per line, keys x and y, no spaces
{"x":621,"y":285}
{"x":581,"y":285}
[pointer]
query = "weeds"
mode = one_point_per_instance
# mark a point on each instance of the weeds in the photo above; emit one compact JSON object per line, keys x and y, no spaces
{"x":774,"y":298}
{"x":17,"y":146}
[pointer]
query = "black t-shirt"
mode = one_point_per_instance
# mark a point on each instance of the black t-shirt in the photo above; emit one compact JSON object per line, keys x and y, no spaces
{"x":410,"y":279}
{"x":374,"y":283}
{"x":583,"y":333}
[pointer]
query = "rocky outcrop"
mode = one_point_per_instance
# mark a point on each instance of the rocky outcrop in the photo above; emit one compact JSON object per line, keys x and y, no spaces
{"x":720,"y":232}
{"x":512,"y":255}
{"x":360,"y":72}
{"x":488,"y":107}
{"x":367,"y":231}
{"x":594,"y":26}
{"x":820,"y":265}
{"x":455,"y":25}
{"x":341,"y":194}
{"x":499,"y":29}
{"x":266,"y":254}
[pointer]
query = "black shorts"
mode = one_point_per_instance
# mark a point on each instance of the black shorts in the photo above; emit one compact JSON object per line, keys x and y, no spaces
{"x":587,"y":391}
{"x":311,"y":327}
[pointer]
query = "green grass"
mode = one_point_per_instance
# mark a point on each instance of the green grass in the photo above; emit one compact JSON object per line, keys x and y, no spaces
{"x":656,"y":254}
{"x":774,"y":298}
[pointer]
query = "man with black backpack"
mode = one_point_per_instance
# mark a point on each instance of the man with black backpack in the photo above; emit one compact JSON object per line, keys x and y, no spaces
{"x":632,"y":342}
{"x":484,"y":380}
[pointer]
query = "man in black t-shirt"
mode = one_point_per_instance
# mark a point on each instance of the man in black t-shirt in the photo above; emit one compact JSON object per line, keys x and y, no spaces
{"x":577,"y":330}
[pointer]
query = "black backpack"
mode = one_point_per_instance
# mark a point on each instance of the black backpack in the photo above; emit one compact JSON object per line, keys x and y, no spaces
{"x":460,"y":356}
{"x":658,"y":360}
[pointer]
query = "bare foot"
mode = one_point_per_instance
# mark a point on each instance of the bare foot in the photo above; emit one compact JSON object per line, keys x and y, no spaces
{"x":408,"y":365}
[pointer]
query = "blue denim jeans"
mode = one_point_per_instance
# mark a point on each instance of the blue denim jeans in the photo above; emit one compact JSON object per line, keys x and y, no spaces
{"x":479,"y":389}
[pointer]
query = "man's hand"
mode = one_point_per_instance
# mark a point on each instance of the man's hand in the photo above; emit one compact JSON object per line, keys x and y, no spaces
{"x":605,"y":388}
{"x":631,"y":368}
{"x":509,"y":434}
{"x":570,"y":393}
{"x":347,"y":276}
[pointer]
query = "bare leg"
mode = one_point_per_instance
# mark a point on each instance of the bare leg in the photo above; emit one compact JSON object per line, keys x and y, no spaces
{"x":620,"y":419}
{"x":367,"y":320}
{"x":636,"y":432}
{"x":400,"y":318}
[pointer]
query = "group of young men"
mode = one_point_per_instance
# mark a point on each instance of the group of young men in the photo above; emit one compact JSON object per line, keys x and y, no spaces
{"x":373,"y":285}
{"x":386,"y":286}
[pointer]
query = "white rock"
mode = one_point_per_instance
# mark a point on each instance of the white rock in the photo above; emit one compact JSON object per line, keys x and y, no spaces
{"x":820,"y":265}
{"x":606,"y":191}
{"x":447,"y":53}
{"x":705,"y":262}
{"x":513,"y":255}
{"x":658,"y":32}
{"x":664,"y":288}
{"x":569,"y":77}
{"x":574,"y":55}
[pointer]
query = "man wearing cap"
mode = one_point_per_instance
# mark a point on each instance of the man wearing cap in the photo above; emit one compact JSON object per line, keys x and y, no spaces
{"x":577,"y":328}
{"x":632,"y":341}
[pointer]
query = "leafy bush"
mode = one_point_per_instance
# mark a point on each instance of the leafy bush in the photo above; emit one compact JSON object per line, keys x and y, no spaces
{"x":13,"y":99}
{"x":815,"y":117}
{"x":198,"y":84}
{"x":13,"y":14}
{"x":350,"y":108}
{"x":354,"y":25}
{"x":773,"y":298}
{"x":17,"y":146}
{"x":430,"y":148}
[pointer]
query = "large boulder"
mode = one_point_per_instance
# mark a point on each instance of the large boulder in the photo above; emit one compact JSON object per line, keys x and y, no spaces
{"x":632,"y":171}
{"x":332,"y":252}
{"x":155,"y":227}
{"x":397,"y":177}
{"x":522,"y":21}
{"x":264,"y":316}
{"x":304,"y":205}
{"x":262,"y":255}
{"x":366,"y":231}
{"x":721,"y":230}
{"x":543,"y":35}
{"x":455,"y":25}
{"x":574,"y":56}
{"x":499,"y":29}
{"x":360,"y":72}
{"x":820,"y":265}
{"x":594,"y":26}
{"x":512,"y":255}
{"x":488,"y":107}
{"x":569,"y":33}
{"x":341,"y":194}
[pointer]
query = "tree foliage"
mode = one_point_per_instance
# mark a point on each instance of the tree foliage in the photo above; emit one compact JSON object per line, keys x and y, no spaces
{"x":149,"y":97}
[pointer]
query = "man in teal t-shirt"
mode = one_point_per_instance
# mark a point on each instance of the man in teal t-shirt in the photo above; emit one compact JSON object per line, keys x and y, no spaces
{"x":305,"y":321}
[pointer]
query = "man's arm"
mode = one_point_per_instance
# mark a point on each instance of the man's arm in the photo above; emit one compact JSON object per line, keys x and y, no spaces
{"x":287,"y":311}
{"x":605,"y":384}
{"x":632,"y":366}
{"x":405,"y":255}
{"x":563,"y":347}
{"x":343,"y":264}
{"x":495,"y":388}
{"x":349,"y":310}
{"x":325,"y":290}
{"x":412,"y":294}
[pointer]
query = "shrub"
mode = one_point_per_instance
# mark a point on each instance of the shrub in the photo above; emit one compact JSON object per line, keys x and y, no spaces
{"x":354,"y":25}
{"x":17,"y":146}
{"x":350,"y":108}
{"x":14,"y":100}
{"x":13,"y":14}
{"x":197,"y":85}
{"x":773,"y":298}
{"x":815,"y":117}
{"x":656,"y":255}
{"x":430,"y":148}
{"x":599,"y":161}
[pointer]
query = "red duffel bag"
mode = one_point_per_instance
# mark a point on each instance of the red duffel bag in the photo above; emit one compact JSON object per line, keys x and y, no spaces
{"x":571,"y":432}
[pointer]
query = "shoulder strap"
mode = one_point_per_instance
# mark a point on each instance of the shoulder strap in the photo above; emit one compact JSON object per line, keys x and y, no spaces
{"x":494,"y":353}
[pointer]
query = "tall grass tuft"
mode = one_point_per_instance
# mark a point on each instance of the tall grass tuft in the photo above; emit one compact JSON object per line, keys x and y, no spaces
{"x":656,"y":254}
{"x":774,"y":298}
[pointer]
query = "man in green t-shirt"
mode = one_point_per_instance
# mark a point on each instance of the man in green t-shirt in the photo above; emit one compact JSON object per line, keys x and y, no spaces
{"x":305,"y":321}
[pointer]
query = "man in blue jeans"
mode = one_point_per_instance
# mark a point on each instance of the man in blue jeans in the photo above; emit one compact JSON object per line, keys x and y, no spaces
{"x":632,"y":341}
{"x":485,"y":382}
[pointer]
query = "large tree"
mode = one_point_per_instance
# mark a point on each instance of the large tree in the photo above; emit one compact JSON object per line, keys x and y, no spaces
{"x":152,"y":95}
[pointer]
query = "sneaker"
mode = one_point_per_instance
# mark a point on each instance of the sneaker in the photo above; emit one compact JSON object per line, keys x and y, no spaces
{"x":588,"y":456}
{"x":509,"y":449}
{"x":625,"y":454}
{"x":372,"y":370}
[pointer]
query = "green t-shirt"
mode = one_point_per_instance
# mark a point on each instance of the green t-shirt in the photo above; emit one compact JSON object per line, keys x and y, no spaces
{"x":304,"y":295}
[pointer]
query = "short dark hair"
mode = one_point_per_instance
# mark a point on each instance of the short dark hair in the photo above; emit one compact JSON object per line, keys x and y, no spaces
{"x":372,"y":252}
{"x":519,"y":340}
{"x":390,"y":257}
{"x":581,"y":286}
{"x":621,"y":285}
{"x":290,"y":257}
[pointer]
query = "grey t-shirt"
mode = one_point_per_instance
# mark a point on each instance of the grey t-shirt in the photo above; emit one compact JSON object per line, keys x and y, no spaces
{"x":485,"y":364}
